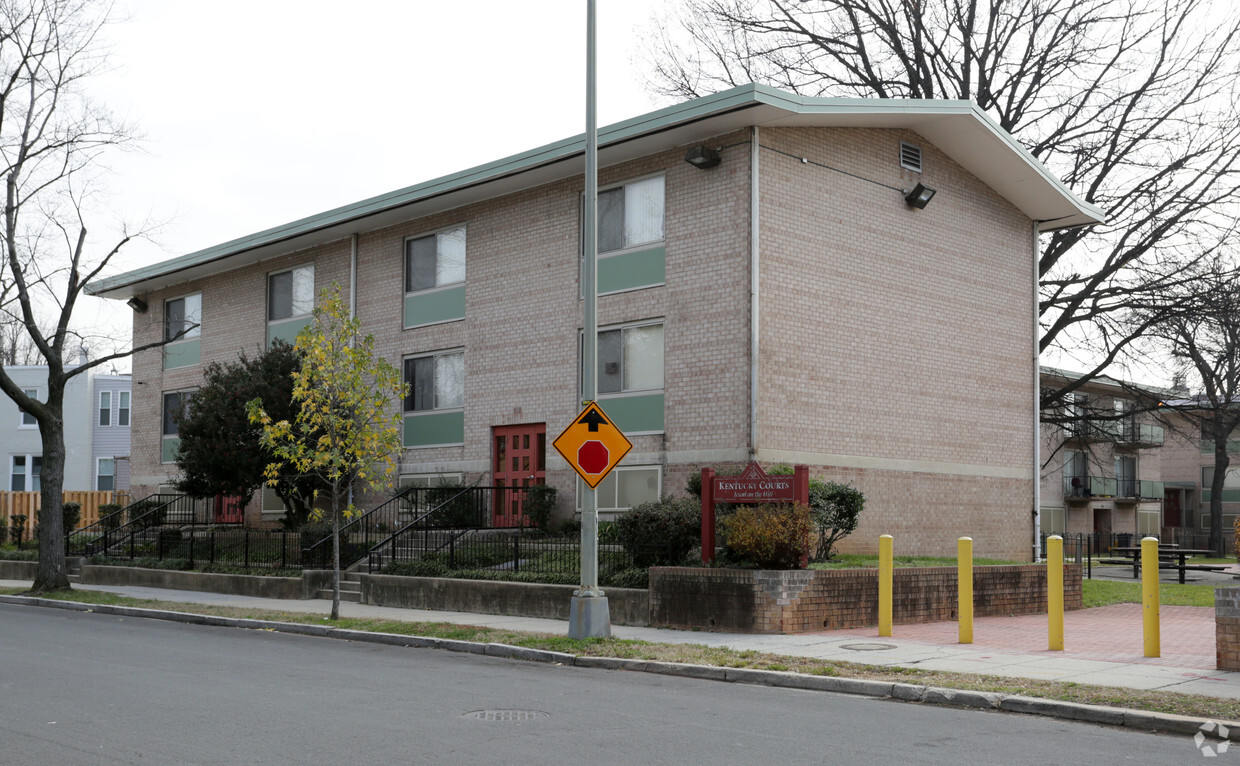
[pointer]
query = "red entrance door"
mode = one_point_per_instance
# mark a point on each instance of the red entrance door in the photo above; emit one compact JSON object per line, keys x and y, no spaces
{"x":1171,"y":508}
{"x":520,"y":460}
{"x":229,"y":509}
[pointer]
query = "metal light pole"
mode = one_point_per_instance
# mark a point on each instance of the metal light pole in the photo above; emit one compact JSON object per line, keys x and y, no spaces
{"x":589,"y":615}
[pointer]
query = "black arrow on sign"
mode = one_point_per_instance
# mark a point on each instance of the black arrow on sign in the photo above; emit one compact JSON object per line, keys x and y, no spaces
{"x":593,"y":419}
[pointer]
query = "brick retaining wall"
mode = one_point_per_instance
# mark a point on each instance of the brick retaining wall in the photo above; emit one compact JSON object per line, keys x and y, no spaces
{"x":774,"y":601}
{"x":1227,"y":628}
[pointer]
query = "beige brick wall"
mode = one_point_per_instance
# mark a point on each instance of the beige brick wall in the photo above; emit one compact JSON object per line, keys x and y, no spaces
{"x":523,"y":318}
{"x":897,"y":343}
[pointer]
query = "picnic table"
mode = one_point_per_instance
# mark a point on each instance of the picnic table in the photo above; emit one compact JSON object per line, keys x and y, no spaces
{"x":1168,"y":554}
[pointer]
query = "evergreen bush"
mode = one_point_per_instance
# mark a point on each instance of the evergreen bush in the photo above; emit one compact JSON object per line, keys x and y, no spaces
{"x":661,"y":532}
{"x":769,"y":536}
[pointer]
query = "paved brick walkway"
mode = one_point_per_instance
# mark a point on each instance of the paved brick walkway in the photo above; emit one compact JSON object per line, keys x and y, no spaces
{"x":1112,"y":633}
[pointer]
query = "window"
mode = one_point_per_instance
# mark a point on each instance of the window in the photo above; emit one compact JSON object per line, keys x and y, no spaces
{"x":630,"y":359}
{"x":105,"y":475}
{"x":183,"y":317}
{"x":122,"y":409}
{"x":625,"y":487}
{"x":436,"y":382}
{"x":26,"y":473}
{"x":1126,"y":475}
{"x":105,"y":408}
{"x":432,"y":480}
{"x":28,"y":420}
{"x":630,"y":215}
{"x":290,"y":293}
{"x":436,"y":260}
{"x":175,"y":405}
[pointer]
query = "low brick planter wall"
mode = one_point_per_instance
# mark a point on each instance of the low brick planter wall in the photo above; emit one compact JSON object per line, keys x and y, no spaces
{"x":628,"y":606}
{"x":237,"y":585}
{"x":18,"y":570}
{"x":799,"y":601}
{"x":1227,"y":628}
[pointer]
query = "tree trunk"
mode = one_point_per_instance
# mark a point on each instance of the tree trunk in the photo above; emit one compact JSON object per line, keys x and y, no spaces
{"x":53,"y":572}
{"x":335,"y":555}
{"x":1221,"y":461}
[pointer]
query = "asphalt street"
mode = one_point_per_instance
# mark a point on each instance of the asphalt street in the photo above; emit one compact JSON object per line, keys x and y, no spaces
{"x":83,"y":688}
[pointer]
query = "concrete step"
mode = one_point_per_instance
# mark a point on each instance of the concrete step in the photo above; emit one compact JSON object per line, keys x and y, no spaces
{"x":345,"y":595}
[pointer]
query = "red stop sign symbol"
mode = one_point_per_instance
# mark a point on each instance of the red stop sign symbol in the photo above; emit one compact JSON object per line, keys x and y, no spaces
{"x":593,"y":457}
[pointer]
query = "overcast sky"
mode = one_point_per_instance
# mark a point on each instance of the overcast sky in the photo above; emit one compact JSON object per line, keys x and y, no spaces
{"x":259,"y":112}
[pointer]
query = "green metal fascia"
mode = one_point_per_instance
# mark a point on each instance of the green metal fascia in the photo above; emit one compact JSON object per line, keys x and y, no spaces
{"x":734,"y":99}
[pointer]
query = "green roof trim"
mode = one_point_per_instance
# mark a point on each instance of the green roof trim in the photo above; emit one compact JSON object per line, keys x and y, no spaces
{"x":713,"y":106}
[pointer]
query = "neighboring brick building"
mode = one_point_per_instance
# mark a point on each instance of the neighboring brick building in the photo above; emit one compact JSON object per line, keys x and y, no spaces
{"x":788,"y":305}
{"x":1102,"y":467}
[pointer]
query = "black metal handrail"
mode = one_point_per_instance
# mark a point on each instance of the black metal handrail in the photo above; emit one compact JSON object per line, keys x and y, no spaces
{"x":153,"y":511}
{"x":466,"y":511}
{"x":77,"y":543}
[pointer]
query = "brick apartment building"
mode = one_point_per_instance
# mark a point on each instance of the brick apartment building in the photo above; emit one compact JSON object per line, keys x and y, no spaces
{"x":1103,"y":468}
{"x":787,"y":304}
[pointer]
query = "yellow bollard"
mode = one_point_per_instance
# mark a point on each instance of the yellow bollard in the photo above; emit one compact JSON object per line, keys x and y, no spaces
{"x":964,"y":587}
{"x":1054,"y":590}
{"x":884,"y":585}
{"x":1149,"y":595}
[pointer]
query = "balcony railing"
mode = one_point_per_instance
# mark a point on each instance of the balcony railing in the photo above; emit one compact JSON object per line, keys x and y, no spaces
{"x":1102,"y":487}
{"x":1126,"y":433}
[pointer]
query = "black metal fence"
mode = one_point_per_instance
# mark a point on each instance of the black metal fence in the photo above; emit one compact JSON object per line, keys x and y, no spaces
{"x":413,"y":512}
{"x":194,"y":546}
{"x":1083,"y":547}
{"x":137,"y":522}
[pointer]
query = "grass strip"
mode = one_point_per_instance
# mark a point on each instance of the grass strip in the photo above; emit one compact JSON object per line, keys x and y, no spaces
{"x":1106,"y":592}
{"x":1137,"y":699}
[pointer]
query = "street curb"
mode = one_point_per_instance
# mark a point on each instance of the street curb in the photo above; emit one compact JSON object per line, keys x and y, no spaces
{"x":929,"y":695}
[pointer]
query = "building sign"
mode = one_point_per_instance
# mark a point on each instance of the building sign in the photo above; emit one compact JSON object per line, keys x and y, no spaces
{"x":592,"y":445}
{"x":754,"y":486}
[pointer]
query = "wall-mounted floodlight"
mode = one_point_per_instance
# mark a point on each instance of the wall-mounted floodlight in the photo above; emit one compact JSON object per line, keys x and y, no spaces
{"x":919,"y":197}
{"x":137,"y":304}
{"x":703,"y":157}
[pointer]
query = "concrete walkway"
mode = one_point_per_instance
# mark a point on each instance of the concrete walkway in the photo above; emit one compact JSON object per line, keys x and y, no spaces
{"x":1103,"y":645}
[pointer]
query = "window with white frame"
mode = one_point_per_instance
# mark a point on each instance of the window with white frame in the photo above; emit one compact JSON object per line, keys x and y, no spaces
{"x":122,"y":409}
{"x":630,"y":215}
{"x":625,"y":487}
{"x":436,"y":382}
{"x":290,"y":293}
{"x":183,"y":317}
{"x":105,"y":474}
{"x":28,"y":420}
{"x":630,"y":358}
{"x":435,"y":260}
{"x":25,"y":474}
{"x":105,"y":408}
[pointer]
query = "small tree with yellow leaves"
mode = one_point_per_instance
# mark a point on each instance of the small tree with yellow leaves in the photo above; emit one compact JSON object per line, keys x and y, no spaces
{"x":346,"y":430}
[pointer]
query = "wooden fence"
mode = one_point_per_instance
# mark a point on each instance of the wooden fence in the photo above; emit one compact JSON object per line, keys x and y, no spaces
{"x":28,"y":503}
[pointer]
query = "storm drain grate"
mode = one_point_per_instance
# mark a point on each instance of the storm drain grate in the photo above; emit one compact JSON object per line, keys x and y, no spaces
{"x":505,"y":715}
{"x":867,"y":647}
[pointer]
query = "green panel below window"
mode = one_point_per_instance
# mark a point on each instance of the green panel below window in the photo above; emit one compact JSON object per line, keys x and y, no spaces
{"x":168,"y":449}
{"x":1229,"y":495}
{"x":434,"y":428}
{"x":631,"y":270}
{"x":1233,"y":447}
{"x":438,"y":306}
{"x":634,"y":414}
{"x":286,"y":330}
{"x":182,"y":354}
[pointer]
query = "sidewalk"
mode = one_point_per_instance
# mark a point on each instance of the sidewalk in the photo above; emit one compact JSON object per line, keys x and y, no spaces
{"x":1103,"y":645}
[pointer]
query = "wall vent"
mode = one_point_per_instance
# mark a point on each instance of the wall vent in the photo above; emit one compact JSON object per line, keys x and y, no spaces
{"x":910,"y":157}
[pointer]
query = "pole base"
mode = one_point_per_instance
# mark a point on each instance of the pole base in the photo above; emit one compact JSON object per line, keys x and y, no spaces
{"x":589,"y":617}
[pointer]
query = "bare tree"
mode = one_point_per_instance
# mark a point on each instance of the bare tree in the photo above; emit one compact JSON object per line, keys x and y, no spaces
{"x":16,"y":348}
{"x":1204,"y":341}
{"x":1130,"y":102}
{"x":51,"y":137}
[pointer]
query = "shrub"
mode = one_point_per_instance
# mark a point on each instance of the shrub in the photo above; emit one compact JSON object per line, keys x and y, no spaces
{"x":71,"y":513}
{"x":834,"y":509}
{"x":625,"y":578}
{"x":539,"y":504}
{"x":662,"y":532}
{"x":17,"y":528}
{"x":4,"y":532}
{"x":770,"y":536}
{"x":570,"y":528}
{"x":144,"y":513}
{"x":109,"y":518}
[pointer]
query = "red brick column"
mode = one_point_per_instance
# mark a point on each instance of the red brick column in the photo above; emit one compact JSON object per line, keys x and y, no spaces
{"x":1227,"y":628}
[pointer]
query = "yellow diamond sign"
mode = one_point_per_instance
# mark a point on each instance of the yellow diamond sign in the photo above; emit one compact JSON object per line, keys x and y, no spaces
{"x":592,"y":445}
